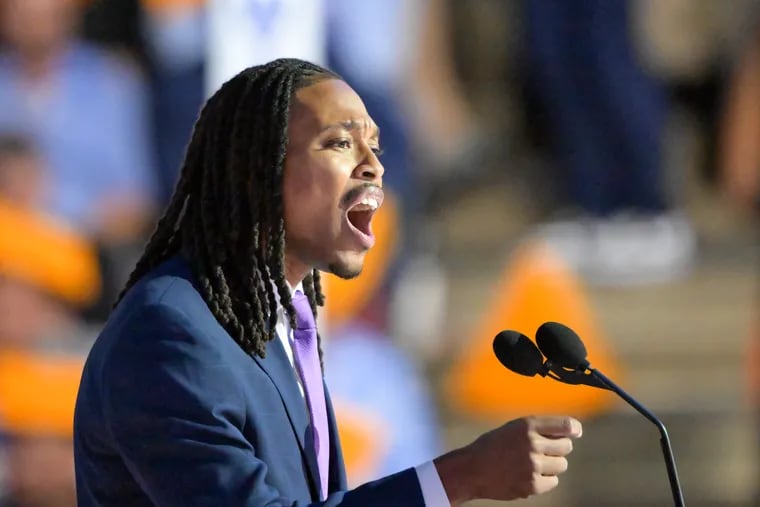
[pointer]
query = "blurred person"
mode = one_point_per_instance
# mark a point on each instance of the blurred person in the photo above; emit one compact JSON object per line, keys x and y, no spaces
{"x":739,"y":175}
{"x":605,"y":116}
{"x":281,"y":180}
{"x":396,"y":413}
{"x":193,"y":46}
{"x":37,"y":394}
{"x":450,"y":142}
{"x":242,"y":33}
{"x":47,"y":273}
{"x":85,"y":110}
{"x":412,"y":90}
{"x":175,"y":36}
{"x":739,"y":155}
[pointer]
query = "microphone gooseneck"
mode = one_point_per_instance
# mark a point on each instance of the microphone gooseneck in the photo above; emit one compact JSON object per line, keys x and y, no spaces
{"x":561,"y":344}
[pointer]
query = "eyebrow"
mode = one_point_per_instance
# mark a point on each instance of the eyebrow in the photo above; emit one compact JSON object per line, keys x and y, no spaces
{"x":351,"y":125}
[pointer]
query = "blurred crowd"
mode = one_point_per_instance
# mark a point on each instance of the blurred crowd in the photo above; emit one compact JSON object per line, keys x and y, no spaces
{"x":98,"y":99}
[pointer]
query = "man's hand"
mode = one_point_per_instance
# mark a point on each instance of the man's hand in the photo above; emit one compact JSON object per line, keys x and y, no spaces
{"x":521,"y":458}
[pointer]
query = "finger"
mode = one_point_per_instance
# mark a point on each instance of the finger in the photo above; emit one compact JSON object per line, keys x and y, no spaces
{"x":555,"y":446}
{"x":551,"y":465}
{"x":557,"y":426}
{"x":544,"y":483}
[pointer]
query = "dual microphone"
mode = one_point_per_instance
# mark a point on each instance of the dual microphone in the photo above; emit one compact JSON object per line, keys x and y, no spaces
{"x":566,"y":362}
{"x":565,"y":353}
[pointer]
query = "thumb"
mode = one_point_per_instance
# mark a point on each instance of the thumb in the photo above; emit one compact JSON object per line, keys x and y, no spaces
{"x":557,"y":426}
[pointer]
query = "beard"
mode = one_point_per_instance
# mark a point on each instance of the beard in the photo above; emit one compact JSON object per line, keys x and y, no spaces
{"x":343,"y":271}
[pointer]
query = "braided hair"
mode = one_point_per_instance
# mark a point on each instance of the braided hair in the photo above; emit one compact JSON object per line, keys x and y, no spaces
{"x":226,"y":213}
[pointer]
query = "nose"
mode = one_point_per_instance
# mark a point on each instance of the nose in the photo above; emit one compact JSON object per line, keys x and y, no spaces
{"x":370,"y":168}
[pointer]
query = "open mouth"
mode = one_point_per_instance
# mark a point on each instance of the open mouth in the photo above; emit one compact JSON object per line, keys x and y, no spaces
{"x":360,"y":215}
{"x":360,"y":209}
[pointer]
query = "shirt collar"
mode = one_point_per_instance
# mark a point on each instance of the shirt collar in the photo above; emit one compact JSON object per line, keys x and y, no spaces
{"x":298,"y":287}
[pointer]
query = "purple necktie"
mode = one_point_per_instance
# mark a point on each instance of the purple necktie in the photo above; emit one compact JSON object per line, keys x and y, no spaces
{"x":307,"y":362}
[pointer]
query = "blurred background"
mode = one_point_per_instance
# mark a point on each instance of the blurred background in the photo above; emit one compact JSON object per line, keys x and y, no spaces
{"x":593,"y":162}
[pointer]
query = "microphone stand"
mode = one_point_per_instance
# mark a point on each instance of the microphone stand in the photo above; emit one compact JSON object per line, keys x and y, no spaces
{"x":667,"y":451}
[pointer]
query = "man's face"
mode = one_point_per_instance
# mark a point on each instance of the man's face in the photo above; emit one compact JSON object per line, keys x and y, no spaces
{"x":332,"y":181}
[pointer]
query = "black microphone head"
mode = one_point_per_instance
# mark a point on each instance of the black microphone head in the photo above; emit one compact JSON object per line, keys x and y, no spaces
{"x":515,"y":351}
{"x":561,"y":345}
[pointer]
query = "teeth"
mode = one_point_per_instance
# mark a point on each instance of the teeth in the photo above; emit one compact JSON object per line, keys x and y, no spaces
{"x":369,"y":202}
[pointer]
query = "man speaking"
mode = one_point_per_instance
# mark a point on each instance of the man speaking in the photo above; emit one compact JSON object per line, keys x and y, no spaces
{"x":205,"y":386}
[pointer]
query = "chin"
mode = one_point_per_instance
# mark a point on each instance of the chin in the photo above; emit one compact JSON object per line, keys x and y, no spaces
{"x":344,"y":271}
{"x":347,"y":266}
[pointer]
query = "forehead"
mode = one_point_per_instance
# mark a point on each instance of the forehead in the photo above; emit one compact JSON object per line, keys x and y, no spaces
{"x":327,"y":103}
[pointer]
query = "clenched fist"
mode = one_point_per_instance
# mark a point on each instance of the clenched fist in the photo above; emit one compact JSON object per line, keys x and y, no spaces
{"x":521,"y":458}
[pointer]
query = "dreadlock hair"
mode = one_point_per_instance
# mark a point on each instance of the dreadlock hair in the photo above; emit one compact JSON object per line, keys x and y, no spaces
{"x":226,"y":213}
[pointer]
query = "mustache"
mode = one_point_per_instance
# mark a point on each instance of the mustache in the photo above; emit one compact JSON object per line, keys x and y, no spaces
{"x":354,"y":192}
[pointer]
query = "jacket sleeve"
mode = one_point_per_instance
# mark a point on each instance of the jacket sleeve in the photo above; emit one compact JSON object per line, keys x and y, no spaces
{"x":174,"y":409}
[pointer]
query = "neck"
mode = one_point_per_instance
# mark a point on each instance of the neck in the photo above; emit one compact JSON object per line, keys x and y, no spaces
{"x":295,"y":270}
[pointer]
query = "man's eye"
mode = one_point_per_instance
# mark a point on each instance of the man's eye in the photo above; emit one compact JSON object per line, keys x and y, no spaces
{"x":340,"y":143}
{"x":377,"y":151}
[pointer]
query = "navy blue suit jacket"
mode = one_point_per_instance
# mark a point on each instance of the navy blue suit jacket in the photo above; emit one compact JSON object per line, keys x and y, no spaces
{"x":172,"y":412}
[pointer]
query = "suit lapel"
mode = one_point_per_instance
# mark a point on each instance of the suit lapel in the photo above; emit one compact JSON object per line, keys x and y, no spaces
{"x":282,"y":374}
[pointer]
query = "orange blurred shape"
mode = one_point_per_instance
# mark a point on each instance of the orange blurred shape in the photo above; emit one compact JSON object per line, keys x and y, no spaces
{"x":346,"y":298}
{"x":535,"y":287}
{"x":38,"y":393}
{"x":47,"y":255}
{"x":364,"y":441}
{"x":158,"y":5}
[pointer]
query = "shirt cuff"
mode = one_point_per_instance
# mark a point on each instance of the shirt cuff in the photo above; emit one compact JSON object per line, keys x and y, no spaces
{"x":432,"y":488}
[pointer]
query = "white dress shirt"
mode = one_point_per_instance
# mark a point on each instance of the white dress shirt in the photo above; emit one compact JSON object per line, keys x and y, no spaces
{"x":433,"y":492}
